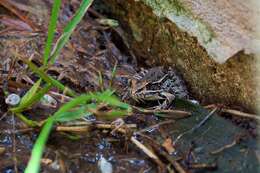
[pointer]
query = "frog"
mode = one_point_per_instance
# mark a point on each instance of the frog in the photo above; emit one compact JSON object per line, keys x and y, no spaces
{"x":157,"y":84}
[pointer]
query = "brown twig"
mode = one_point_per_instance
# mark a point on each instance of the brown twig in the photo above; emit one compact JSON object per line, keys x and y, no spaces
{"x":224,"y":147}
{"x":88,"y":127}
{"x":171,"y":160}
{"x":148,"y":152}
{"x":233,"y":112}
{"x":203,"y":166}
{"x":12,"y":8}
{"x":177,"y":113}
{"x":241,"y":114}
{"x":155,"y":126}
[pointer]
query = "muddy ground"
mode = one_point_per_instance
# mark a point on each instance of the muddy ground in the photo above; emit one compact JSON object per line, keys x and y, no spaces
{"x":201,"y":142}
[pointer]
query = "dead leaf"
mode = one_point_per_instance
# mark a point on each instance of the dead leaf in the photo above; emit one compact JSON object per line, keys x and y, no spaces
{"x":46,"y":161}
{"x":168,"y":145}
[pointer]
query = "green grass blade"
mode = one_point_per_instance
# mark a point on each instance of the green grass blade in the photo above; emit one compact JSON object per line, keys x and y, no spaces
{"x":32,"y":100}
{"x":113,"y":75}
{"x":69,"y":28}
{"x":76,"y":114}
{"x":71,"y":115}
{"x":110,"y":99}
{"x":61,"y":114}
{"x":51,"y":30}
{"x":100,"y":81}
{"x":30,"y":94}
{"x":35,"y":160}
{"x":47,"y":78}
{"x":34,"y":163}
{"x":28,"y":122}
{"x":110,"y":115}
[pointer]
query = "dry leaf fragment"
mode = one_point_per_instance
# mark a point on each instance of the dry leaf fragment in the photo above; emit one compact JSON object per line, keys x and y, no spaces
{"x":168,"y":145}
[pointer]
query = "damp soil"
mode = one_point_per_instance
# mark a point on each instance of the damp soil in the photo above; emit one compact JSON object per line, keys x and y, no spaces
{"x":94,"y":49}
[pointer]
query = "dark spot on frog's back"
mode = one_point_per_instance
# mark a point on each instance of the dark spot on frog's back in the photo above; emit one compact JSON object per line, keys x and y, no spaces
{"x":154,"y":73}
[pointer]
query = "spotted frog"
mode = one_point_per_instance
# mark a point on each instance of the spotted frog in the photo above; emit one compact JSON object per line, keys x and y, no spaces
{"x":157,"y":85}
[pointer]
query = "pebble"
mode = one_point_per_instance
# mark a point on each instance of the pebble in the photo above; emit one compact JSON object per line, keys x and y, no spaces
{"x":13,"y":99}
{"x":105,"y":166}
{"x":48,"y":100}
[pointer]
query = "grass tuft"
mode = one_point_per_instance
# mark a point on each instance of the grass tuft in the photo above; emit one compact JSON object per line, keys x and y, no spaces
{"x":79,"y":106}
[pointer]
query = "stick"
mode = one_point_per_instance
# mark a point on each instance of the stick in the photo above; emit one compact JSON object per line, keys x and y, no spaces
{"x":224,"y":147}
{"x":148,"y":152}
{"x":173,"y":161}
{"x":241,"y":114}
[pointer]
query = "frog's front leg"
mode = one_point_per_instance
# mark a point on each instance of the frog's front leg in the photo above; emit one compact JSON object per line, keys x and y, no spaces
{"x":167,"y":101}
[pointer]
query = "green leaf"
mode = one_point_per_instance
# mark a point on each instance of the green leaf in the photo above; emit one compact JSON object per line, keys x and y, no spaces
{"x":113,"y":75}
{"x":110,"y":115}
{"x":32,"y":100}
{"x":34,"y":162}
{"x":30,"y":94}
{"x":64,"y":114}
{"x":51,"y":30}
{"x":76,"y":114}
{"x":108,"y":22}
{"x":69,"y":28}
{"x":108,"y":98}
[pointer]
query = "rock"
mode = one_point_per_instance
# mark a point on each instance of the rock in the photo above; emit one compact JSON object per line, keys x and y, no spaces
{"x":209,"y":43}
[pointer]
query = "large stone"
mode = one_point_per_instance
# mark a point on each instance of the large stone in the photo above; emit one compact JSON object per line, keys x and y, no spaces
{"x":207,"y":41}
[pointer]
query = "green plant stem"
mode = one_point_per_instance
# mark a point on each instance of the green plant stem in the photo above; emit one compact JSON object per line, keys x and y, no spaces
{"x":33,"y":100}
{"x":113,"y":76}
{"x":34,"y":163}
{"x":28,"y":122}
{"x":47,"y":78}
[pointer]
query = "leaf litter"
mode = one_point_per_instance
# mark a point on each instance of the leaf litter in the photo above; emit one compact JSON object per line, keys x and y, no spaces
{"x":97,"y":48}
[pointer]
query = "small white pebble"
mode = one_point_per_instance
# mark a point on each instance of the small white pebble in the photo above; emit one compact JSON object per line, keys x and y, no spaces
{"x":105,"y":166}
{"x":194,"y":102}
{"x":13,"y":99}
{"x":48,"y":100}
{"x":55,"y":165}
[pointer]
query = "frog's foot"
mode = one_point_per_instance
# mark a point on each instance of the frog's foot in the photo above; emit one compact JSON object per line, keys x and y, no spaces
{"x":168,"y":100}
{"x":118,"y":124}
